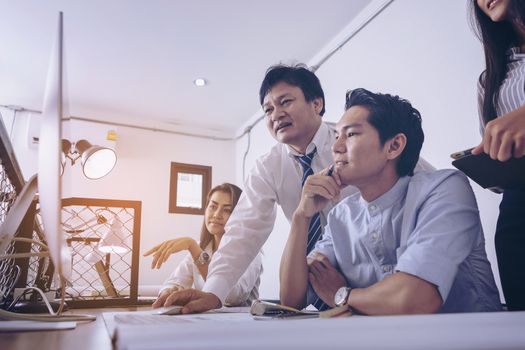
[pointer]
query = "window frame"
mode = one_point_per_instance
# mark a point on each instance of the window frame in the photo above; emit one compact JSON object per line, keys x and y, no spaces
{"x":193,"y":169}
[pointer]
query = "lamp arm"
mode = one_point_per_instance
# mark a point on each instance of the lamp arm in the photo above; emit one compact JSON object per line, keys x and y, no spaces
{"x":73,"y":157}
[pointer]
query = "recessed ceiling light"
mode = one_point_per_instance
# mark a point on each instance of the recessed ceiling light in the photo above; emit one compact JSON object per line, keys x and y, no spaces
{"x":200,"y":82}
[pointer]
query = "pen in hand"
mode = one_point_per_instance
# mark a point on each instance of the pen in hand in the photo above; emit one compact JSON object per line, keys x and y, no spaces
{"x":330,"y":170}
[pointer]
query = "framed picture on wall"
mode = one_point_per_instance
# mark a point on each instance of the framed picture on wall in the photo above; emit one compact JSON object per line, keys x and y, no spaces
{"x":189,"y":185}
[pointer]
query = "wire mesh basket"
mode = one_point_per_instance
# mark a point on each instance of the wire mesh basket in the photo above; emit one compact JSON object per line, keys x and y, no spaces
{"x":9,"y":271}
{"x":103,"y":237}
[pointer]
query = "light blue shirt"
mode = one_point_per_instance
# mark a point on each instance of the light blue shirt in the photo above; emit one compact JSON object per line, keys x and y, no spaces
{"x":426,"y":225}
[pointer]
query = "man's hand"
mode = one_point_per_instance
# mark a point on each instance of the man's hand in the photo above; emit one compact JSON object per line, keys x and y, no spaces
{"x":163,"y":296}
{"x":318,"y":190}
{"x":193,"y":300}
{"x":504,"y":136}
{"x":325,"y":278}
{"x":161,"y":252}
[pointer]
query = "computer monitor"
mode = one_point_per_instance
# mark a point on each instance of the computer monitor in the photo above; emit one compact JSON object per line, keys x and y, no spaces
{"x":49,"y":152}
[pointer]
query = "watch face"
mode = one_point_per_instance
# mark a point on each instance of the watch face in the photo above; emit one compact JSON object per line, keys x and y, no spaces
{"x":340,"y":296}
{"x":203,"y":258}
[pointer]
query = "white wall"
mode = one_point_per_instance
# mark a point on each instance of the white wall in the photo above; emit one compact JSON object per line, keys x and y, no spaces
{"x":142,"y":173}
{"x":425,"y":52}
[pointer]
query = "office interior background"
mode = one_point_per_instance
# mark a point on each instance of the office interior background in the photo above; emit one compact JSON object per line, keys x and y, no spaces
{"x":117,"y":73}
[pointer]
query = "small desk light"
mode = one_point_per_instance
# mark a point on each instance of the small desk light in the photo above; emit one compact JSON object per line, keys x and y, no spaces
{"x":96,"y":258}
{"x":97,"y":161}
{"x":114,"y":241}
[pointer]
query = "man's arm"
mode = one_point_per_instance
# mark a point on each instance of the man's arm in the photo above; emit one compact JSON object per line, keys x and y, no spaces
{"x":246,"y":231}
{"x":244,"y":286}
{"x":397,"y":294}
{"x":318,"y":190}
{"x":293,"y":272}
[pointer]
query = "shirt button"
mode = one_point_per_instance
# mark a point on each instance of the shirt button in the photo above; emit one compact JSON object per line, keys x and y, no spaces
{"x":386,"y":268}
{"x":374,"y":236}
{"x":372,"y":207}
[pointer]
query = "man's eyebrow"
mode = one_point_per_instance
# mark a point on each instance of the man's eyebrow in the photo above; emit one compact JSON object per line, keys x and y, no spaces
{"x":280,"y":97}
{"x":349,"y":126}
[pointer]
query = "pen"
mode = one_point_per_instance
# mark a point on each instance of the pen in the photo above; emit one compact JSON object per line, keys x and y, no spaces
{"x":330,"y":170}
{"x":460,"y":154}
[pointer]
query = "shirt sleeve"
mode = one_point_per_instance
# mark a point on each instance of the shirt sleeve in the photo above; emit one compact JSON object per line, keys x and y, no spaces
{"x":444,"y":229}
{"x":481,"y":93}
{"x":246,"y":231}
{"x":250,"y":279}
{"x":182,"y":276}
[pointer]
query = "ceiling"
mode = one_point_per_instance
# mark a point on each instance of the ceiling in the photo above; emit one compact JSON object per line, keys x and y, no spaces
{"x":134,"y":61}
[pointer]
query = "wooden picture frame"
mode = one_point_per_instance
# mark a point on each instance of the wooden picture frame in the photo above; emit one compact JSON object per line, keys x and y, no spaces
{"x":185,"y":198}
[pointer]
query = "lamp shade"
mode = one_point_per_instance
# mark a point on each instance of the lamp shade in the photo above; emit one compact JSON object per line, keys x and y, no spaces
{"x":96,"y":161}
{"x":114,"y":241}
{"x":94,"y":256}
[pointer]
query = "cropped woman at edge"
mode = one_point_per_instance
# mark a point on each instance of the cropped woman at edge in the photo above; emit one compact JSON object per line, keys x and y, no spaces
{"x":500,"y":25}
{"x":192,"y":271}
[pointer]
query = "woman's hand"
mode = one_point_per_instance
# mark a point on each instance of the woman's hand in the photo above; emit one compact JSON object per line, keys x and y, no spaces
{"x":504,"y":136}
{"x":162,"y":252}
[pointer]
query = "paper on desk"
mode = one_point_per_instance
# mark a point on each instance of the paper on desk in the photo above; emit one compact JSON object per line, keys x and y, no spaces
{"x":19,"y":326}
{"x":485,"y":330}
{"x":152,"y":317}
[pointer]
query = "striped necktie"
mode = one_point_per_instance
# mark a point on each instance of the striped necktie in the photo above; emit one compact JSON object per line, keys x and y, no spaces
{"x":314,"y":229}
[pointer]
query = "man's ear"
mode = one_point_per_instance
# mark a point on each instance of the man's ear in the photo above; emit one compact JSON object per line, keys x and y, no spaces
{"x":318,"y":104}
{"x":396,"y":145}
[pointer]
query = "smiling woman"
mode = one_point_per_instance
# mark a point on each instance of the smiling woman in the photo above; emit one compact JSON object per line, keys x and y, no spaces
{"x":193,"y":270}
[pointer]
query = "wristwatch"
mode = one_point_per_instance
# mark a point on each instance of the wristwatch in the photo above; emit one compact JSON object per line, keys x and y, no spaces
{"x":341,"y":296}
{"x":203,"y":258}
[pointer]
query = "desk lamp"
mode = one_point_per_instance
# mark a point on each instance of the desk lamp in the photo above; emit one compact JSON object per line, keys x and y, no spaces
{"x":97,"y":161}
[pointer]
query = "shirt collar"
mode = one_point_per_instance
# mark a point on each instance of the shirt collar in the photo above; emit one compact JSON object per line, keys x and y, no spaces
{"x":320,"y":137}
{"x":387,"y":199}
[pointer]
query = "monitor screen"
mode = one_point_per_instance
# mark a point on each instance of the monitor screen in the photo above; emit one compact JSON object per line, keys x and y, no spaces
{"x":49,"y":149}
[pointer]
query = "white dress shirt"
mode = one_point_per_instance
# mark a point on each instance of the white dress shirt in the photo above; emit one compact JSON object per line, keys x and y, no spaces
{"x":187,"y":275}
{"x":274,"y":180}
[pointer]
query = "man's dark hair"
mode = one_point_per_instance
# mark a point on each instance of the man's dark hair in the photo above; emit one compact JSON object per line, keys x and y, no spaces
{"x":391,"y":115}
{"x":296,"y":75}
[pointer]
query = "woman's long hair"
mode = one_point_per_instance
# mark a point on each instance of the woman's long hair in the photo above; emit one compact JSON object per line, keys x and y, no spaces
{"x":234,"y":192}
{"x":497,"y":38}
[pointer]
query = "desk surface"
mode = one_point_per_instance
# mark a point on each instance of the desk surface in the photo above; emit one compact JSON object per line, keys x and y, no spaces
{"x":86,"y":336}
{"x":501,"y":330}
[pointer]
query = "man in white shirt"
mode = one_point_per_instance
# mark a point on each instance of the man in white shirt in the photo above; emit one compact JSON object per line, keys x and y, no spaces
{"x":406,"y":243}
{"x":293,"y":102}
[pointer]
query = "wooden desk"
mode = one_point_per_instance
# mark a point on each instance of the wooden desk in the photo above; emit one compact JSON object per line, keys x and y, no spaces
{"x":86,"y":336}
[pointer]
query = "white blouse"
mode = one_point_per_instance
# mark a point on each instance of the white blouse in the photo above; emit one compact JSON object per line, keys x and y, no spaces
{"x":187,"y":275}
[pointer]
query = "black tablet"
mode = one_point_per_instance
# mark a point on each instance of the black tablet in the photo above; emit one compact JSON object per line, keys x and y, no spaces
{"x":490,"y":173}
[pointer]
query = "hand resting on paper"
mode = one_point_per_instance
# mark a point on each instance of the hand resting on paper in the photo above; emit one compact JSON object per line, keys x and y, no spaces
{"x":192,"y":300}
{"x":161,"y":299}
